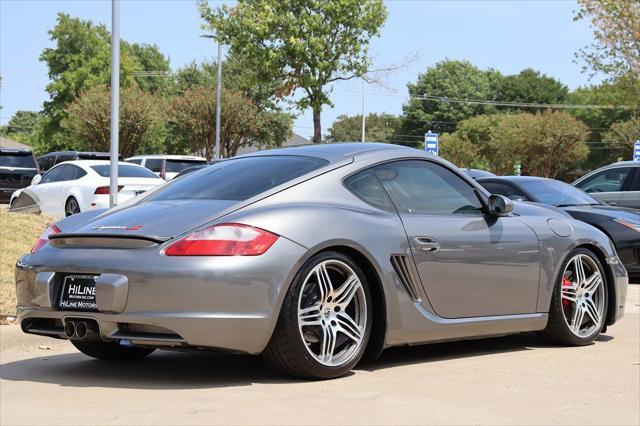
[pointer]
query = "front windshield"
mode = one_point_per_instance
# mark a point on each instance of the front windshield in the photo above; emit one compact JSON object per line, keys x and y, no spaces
{"x":557,"y":193}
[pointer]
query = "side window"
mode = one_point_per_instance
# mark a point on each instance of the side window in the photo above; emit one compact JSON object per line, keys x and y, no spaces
{"x":636,"y":184}
{"x":52,"y":175}
{"x":503,"y":189}
{"x":367,"y":187}
{"x":77,"y":172}
{"x":67,"y":172}
{"x":45,"y":163}
{"x":135,"y":161}
{"x":154,"y":164}
{"x":423,"y":187}
{"x":610,"y":180}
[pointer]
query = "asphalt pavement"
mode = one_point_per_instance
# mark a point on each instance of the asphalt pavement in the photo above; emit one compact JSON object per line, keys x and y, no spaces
{"x":507,"y":380}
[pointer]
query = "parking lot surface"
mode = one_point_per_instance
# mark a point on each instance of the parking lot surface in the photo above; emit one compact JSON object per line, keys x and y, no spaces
{"x":506,"y":380}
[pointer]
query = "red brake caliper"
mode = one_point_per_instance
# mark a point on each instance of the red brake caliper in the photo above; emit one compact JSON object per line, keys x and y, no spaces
{"x":566,"y":283}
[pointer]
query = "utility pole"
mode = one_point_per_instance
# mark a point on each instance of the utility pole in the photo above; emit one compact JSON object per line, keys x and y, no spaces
{"x":115,"y":101}
{"x":218,"y":93}
{"x":363,"y":119}
{"x":218,"y":100}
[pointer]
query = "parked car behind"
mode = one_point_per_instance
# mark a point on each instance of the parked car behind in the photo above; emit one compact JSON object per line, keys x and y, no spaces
{"x":167,"y":166}
{"x":77,"y":186}
{"x":617,"y":184}
{"x":47,"y":161}
{"x":17,"y":168}
{"x":622,"y":225}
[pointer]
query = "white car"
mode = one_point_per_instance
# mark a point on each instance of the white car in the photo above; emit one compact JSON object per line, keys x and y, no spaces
{"x":77,"y":186}
{"x":167,"y":166}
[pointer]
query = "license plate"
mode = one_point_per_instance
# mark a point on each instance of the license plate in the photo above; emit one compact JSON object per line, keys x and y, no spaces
{"x":79,"y":293}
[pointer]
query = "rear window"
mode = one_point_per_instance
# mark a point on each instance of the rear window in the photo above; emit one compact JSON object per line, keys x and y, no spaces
{"x":176,"y":166}
{"x":239,"y":179}
{"x":25,"y":161}
{"x":124,"y":171}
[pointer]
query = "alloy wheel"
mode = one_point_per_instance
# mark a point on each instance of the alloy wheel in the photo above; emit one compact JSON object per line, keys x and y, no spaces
{"x":583,"y":296}
{"x":332,"y":313}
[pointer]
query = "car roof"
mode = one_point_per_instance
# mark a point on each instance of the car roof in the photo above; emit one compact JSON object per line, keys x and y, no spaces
{"x":76,"y":153}
{"x":168,"y":157}
{"x":89,"y":163}
{"x":15,"y":151}
{"x":333,"y":151}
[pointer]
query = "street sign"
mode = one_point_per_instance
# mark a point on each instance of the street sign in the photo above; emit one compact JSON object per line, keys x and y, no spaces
{"x":431,"y":144}
{"x":636,"y":151}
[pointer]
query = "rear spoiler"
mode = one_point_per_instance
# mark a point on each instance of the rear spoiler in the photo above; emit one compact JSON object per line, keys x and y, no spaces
{"x":72,"y":240}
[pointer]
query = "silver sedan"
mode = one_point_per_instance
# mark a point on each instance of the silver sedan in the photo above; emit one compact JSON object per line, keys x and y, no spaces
{"x":315,"y":257}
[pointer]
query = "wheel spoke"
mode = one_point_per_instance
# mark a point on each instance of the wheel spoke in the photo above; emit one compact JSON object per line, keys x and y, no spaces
{"x":569,"y":293}
{"x":579,"y":270}
{"x":310,"y":315}
{"x":346,"y":291}
{"x":348,"y":327}
{"x":576,"y":320}
{"x":592,"y":283}
{"x":328,"y":344}
{"x":592,"y":311}
{"x":324,"y":282}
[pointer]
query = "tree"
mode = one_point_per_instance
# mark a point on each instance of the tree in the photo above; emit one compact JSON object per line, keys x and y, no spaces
{"x":616,"y":49}
{"x":378,"y":128}
{"x":149,"y":58}
{"x":619,"y":139}
{"x":81,"y":60}
{"x":530,"y":86}
{"x":548,"y":144}
{"x":194,"y":114}
{"x":22,"y":125}
{"x":88,"y":120}
{"x":308,"y":44}
{"x":448,"y":79}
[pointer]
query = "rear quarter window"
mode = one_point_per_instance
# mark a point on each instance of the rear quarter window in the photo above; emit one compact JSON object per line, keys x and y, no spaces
{"x":239,"y":179}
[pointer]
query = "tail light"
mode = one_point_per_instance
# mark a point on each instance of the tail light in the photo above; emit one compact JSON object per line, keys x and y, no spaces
{"x":44,"y":238}
{"x":105,"y":190}
{"x":228,"y":239}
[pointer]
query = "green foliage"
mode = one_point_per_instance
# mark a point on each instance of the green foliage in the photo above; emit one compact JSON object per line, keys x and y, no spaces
{"x":448,"y":78}
{"x":379,"y":128}
{"x":81,"y":60}
{"x":546,"y":144}
{"x":530,"y":86}
{"x":149,"y":58}
{"x":22,"y":125}
{"x":141,"y":121}
{"x":619,"y":139}
{"x":308,"y":44}
{"x":242,"y":122}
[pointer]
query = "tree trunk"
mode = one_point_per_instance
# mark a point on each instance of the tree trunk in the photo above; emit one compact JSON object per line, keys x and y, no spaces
{"x":317,"y":129}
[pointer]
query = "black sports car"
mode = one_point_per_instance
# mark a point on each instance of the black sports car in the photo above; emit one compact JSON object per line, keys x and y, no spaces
{"x":621,"y":224}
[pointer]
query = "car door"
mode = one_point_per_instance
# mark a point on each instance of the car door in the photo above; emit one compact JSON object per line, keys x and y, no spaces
{"x":470,"y":264}
{"x":53,"y":188}
{"x":631,"y":190}
{"x":606,"y":185}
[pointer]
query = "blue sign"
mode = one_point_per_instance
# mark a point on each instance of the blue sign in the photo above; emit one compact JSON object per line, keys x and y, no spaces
{"x":431,"y":144}
{"x":636,"y":151}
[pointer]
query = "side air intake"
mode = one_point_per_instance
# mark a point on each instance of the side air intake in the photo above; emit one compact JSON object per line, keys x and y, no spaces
{"x":401,"y":266}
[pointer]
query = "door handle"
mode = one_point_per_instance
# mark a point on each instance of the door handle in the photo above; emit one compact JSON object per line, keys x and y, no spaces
{"x":426,"y":244}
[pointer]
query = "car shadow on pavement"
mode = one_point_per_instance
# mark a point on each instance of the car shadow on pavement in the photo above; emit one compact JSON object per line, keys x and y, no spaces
{"x":188,"y":370}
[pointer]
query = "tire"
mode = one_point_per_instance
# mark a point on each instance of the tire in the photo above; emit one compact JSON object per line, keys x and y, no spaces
{"x":111,"y":351}
{"x":574,"y":297}
{"x":332,"y":334}
{"x":71,"y":207}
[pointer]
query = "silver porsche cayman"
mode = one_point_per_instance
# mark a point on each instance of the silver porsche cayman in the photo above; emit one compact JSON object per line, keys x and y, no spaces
{"x":316,"y":256}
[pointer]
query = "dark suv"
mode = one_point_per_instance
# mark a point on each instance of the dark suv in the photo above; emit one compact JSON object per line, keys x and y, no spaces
{"x":49,"y":160}
{"x":17,"y":168}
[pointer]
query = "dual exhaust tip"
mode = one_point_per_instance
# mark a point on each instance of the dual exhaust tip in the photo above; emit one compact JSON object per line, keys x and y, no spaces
{"x":86,"y":330}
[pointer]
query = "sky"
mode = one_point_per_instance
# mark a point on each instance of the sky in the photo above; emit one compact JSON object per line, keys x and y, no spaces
{"x":505,"y":35}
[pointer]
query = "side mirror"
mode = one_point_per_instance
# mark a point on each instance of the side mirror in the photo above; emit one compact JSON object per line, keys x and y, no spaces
{"x":36,"y":179}
{"x":499,"y":205}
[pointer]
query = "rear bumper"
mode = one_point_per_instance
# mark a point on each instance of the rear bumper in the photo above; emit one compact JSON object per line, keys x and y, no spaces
{"x":229,"y":303}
